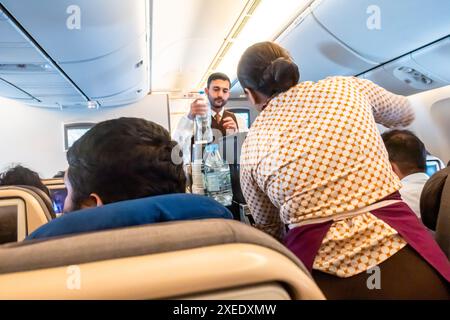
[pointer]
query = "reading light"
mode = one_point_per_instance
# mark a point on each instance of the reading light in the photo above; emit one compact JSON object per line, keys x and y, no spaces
{"x":92,"y":105}
{"x":413,"y":78}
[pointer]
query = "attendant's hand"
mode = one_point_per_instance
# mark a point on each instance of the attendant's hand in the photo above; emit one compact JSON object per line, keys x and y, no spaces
{"x":198,"y":107}
{"x":229,"y":125}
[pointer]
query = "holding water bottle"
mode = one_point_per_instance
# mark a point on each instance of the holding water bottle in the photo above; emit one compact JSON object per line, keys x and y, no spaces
{"x":217,"y":176}
{"x":203,"y":132}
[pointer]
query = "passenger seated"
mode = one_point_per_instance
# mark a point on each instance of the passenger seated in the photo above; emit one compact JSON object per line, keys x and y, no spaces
{"x":22,"y":176}
{"x":408,"y":157}
{"x":121,"y":159}
{"x":434,"y":202}
{"x":127,"y":167}
{"x":314,"y":161}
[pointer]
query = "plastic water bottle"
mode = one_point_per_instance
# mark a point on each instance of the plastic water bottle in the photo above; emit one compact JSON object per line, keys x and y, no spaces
{"x":198,"y":177}
{"x":203,"y":132}
{"x":217,"y":176}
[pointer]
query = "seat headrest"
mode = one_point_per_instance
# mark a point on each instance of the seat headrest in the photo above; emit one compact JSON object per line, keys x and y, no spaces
{"x":170,"y":207}
{"x":430,"y":199}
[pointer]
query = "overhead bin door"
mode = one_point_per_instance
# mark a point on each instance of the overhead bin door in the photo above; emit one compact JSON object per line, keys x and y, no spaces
{"x":11,"y":92}
{"x":436,"y":58}
{"x":105,"y":26}
{"x":318,"y":53}
{"x":112,"y":74}
{"x":404,"y":76}
{"x":381,"y":30}
{"x":102,"y":45}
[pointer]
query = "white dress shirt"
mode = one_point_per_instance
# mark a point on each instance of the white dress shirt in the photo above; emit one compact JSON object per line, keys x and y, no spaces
{"x":184,"y":132}
{"x":412,"y":188}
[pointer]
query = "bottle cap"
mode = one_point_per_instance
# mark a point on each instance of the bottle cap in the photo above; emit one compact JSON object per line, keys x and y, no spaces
{"x":211,"y":148}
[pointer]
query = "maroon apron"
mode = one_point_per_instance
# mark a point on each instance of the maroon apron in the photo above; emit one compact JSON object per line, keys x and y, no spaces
{"x":305,"y":241}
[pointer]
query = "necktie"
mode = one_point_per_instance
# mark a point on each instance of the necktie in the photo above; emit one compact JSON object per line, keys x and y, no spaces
{"x":217,"y":117}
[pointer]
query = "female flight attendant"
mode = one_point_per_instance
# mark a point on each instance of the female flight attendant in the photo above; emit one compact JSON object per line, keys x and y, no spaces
{"x":315,"y":174}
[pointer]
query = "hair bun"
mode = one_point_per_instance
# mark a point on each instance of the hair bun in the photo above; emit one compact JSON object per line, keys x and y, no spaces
{"x":280,"y":75}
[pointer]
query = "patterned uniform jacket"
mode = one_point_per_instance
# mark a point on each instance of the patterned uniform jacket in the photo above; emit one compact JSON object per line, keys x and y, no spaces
{"x":315,"y":151}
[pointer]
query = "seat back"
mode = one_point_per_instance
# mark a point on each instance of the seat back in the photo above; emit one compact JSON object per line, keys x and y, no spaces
{"x":443,"y":220}
{"x":23,"y":210}
{"x":58,"y":182}
{"x":201,"y":259}
{"x":435,"y":207}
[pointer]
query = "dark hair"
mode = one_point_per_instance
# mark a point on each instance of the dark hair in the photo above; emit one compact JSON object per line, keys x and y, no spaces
{"x":267,"y":68}
{"x":22,"y":176}
{"x":406,"y":150}
{"x":217,"y":76}
{"x":124,"y":159}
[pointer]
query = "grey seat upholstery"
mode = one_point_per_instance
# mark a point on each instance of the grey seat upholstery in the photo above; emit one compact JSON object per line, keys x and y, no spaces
{"x":212,"y":241}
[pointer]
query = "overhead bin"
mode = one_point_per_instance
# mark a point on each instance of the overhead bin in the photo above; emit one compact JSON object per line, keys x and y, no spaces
{"x":112,"y":74}
{"x":404,"y":76}
{"x":317,"y":53}
{"x":130,"y":96}
{"x":42,"y":83}
{"x":435,"y":58}
{"x":381,"y":30}
{"x":14,"y":48}
{"x":102,"y":47}
{"x":11,"y":92}
{"x":105,"y":26}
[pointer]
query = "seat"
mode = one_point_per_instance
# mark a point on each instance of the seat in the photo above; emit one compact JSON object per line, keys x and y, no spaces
{"x":22,"y":210}
{"x":435,"y":207}
{"x":201,"y":259}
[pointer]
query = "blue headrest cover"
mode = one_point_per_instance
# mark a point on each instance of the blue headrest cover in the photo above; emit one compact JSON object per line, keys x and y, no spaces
{"x":170,"y":207}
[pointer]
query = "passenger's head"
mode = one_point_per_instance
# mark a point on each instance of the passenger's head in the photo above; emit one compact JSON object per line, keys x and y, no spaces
{"x":121,"y":159}
{"x":218,"y":89}
{"x":265,"y":70}
{"x":407,"y":153}
{"x":21,"y":176}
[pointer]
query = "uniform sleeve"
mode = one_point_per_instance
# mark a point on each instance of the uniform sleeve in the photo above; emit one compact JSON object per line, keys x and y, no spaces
{"x":183,"y":134}
{"x":265,"y":214}
{"x":389,"y":109}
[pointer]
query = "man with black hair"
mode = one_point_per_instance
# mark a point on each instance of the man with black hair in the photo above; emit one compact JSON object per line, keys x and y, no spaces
{"x":225,"y":122}
{"x":121,"y":159}
{"x":22,"y":176}
{"x":407,"y":155}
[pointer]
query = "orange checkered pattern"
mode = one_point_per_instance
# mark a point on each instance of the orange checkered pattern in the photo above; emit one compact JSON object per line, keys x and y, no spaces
{"x":314,"y":152}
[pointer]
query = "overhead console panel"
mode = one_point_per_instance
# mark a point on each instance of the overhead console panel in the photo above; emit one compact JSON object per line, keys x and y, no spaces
{"x":79,"y":53}
{"x":402,"y":45}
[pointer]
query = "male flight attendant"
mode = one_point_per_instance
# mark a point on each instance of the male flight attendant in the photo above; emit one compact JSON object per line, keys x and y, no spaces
{"x":218,"y":92}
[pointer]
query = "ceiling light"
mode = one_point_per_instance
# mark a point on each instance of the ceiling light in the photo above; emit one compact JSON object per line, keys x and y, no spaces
{"x":92,"y":105}
{"x":261,"y":20}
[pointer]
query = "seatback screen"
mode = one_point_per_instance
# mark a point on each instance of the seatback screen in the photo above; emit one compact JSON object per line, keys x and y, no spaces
{"x":58,"y":198}
{"x":8,"y":224}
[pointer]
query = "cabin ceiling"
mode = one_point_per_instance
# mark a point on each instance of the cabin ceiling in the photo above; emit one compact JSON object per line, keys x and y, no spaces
{"x":122,"y":50}
{"x":184,"y":45}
